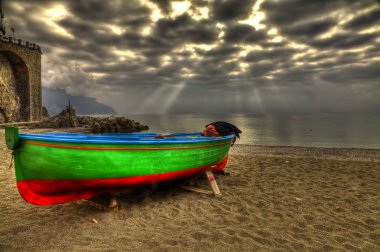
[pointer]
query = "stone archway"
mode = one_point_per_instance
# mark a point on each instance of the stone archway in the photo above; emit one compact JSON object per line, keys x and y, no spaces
{"x":20,"y":79}
{"x":3,"y":116}
{"x":14,"y":88}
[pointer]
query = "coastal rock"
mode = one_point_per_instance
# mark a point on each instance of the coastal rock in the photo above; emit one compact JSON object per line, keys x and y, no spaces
{"x":45,"y":112}
{"x":109,"y":124}
{"x":65,"y":119}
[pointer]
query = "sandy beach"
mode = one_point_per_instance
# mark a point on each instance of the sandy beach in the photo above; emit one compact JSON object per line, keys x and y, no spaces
{"x":275,"y":199}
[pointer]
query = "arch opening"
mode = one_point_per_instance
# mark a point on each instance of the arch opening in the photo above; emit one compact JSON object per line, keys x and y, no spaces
{"x":14,"y":88}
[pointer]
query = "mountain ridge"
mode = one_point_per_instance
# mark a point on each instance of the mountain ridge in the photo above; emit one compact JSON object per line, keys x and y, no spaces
{"x":55,"y":100}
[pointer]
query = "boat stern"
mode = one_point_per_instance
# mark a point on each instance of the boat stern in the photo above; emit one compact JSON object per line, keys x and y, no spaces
{"x":11,"y":137}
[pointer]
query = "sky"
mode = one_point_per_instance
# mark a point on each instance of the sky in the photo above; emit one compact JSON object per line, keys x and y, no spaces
{"x":208,"y":57}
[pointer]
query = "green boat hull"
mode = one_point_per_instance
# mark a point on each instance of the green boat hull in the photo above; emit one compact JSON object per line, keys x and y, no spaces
{"x":52,"y":171}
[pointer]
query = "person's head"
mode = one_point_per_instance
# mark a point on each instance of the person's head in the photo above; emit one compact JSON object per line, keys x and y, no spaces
{"x":221,"y":128}
{"x":210,"y":131}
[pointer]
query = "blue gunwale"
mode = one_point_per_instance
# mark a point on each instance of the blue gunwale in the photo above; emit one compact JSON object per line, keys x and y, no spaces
{"x":123,"y":138}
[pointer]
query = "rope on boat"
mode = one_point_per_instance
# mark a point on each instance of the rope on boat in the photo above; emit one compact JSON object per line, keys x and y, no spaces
{"x":233,"y":142}
{"x":11,"y":162}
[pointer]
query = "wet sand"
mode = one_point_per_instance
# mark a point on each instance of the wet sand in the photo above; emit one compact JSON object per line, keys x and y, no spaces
{"x":276,"y":198}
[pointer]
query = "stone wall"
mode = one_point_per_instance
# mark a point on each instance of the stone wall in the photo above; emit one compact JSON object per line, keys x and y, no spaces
{"x":20,"y":81}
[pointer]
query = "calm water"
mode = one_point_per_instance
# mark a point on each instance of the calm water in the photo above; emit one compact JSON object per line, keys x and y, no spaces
{"x":335,"y":130}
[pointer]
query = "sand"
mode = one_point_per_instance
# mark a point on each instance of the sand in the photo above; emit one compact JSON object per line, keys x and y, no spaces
{"x":275,"y":199}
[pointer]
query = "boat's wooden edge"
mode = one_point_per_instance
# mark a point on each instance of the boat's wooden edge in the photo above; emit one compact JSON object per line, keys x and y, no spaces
{"x":18,"y":123}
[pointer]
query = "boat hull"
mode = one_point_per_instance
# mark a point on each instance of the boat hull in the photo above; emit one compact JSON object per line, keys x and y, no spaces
{"x":52,"y":172}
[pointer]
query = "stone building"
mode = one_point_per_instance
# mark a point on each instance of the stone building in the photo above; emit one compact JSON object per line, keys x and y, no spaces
{"x":20,"y":78}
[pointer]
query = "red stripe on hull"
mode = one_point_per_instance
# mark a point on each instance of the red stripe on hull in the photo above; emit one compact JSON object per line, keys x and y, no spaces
{"x":51,"y":192}
{"x":221,"y":165}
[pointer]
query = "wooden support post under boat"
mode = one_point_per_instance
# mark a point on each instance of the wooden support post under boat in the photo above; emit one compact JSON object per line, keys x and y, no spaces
{"x":211,"y":179}
{"x":112,"y":204}
{"x":194,"y":189}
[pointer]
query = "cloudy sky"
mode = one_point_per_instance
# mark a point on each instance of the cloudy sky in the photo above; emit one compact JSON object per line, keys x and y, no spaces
{"x":227,"y":56}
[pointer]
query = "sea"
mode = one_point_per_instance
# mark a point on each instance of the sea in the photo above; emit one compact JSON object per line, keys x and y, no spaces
{"x":315,"y":130}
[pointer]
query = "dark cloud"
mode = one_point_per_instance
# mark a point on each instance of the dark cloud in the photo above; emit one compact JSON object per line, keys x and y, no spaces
{"x":278,"y":54}
{"x":318,"y":57}
{"x":86,"y":33}
{"x":97,"y":12}
{"x":288,"y":12}
{"x":227,"y":10}
{"x":309,"y":29}
{"x":135,"y":23}
{"x":358,"y":74}
{"x":303,"y":21}
{"x":221,"y":52}
{"x":269,"y":45}
{"x":373,"y":51}
{"x":80,"y":56}
{"x":345,"y":41}
{"x":363,"y":21}
{"x":262,"y":68}
{"x":164,"y":5}
{"x":184,"y":28}
{"x":243,"y":33}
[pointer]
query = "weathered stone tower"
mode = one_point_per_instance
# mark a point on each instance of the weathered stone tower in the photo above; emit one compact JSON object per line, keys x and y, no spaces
{"x":20,"y":78}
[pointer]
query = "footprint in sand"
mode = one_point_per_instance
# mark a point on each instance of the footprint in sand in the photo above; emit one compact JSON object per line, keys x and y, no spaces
{"x":263,"y":233}
{"x":297,"y":246}
{"x":280,"y":241}
{"x":262,"y":241}
{"x":171,"y":242}
{"x":375,"y":238}
{"x":308,"y":218}
{"x":340,"y":239}
{"x":323,"y":228}
{"x":230,"y":232}
{"x":199,"y":236}
{"x":19,"y":229}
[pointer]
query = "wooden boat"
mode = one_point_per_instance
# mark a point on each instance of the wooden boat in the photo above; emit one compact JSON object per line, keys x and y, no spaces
{"x":55,"y":168}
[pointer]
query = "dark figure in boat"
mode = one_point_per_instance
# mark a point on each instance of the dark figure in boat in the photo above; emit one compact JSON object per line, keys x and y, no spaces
{"x":217,"y":129}
{"x":221,"y":128}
